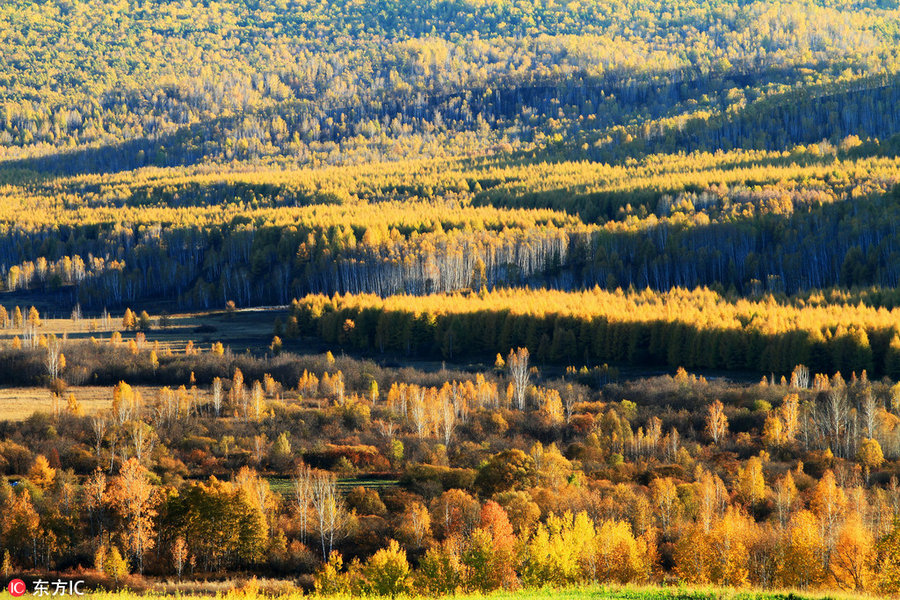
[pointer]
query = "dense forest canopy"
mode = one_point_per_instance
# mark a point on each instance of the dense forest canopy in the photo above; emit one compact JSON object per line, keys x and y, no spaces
{"x":698,"y":328}
{"x":270,"y":78}
{"x":200,"y":153}
{"x":517,"y":225}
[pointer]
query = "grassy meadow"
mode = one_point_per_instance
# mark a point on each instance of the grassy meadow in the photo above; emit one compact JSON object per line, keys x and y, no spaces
{"x":19,"y":403}
{"x":244,"y":330}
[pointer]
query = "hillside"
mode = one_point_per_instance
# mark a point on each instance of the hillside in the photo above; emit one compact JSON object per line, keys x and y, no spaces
{"x":744,"y":144}
{"x":451,"y":298}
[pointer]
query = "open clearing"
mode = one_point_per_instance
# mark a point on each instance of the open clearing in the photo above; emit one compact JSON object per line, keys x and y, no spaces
{"x":17,"y":403}
{"x":241,"y":330}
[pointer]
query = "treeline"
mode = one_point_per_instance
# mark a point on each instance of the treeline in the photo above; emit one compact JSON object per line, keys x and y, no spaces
{"x":208,"y":264}
{"x":726,"y":186}
{"x":866,"y":110}
{"x":698,"y":329}
{"x":779,"y":249}
{"x":597,"y":118}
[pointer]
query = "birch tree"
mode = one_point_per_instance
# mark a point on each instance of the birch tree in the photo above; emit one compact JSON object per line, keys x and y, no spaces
{"x":716,"y":421}
{"x":331,"y":515}
{"x":517,"y":365}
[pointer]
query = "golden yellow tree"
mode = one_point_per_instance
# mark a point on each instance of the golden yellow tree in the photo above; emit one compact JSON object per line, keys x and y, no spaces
{"x":41,"y":473}
{"x":716,"y":422}
{"x":133,"y":498}
{"x":870,"y":455}
{"x":850,"y":560}
{"x":665,"y":498}
{"x":128,"y":320}
{"x":829,"y":503}
{"x":750,"y":484}
{"x":803,"y":553}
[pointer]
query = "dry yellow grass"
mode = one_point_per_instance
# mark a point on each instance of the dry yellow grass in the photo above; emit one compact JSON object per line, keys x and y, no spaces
{"x":17,"y":404}
{"x":243,"y":329}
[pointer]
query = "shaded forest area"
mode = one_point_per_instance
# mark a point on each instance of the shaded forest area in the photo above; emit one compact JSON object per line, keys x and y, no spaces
{"x":797,"y":224}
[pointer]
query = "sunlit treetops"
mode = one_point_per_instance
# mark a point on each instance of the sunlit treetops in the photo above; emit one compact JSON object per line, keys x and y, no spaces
{"x":299,"y":80}
{"x":338,"y":229}
{"x":698,"y":328}
{"x":202,"y":152}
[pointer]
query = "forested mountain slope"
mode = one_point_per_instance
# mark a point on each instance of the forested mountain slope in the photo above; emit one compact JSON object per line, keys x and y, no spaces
{"x":199,"y":152}
{"x":564,"y":199}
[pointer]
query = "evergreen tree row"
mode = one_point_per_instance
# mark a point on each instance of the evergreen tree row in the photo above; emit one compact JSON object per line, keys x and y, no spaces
{"x":697,"y":329}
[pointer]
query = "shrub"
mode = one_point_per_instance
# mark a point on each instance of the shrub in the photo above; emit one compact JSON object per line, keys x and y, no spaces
{"x":446,"y":477}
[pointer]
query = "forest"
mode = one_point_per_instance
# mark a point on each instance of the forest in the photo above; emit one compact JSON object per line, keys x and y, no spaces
{"x":341,"y":476}
{"x":353,"y":477}
{"x":451,"y":297}
{"x":661,"y":145}
{"x":696,"y":328}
